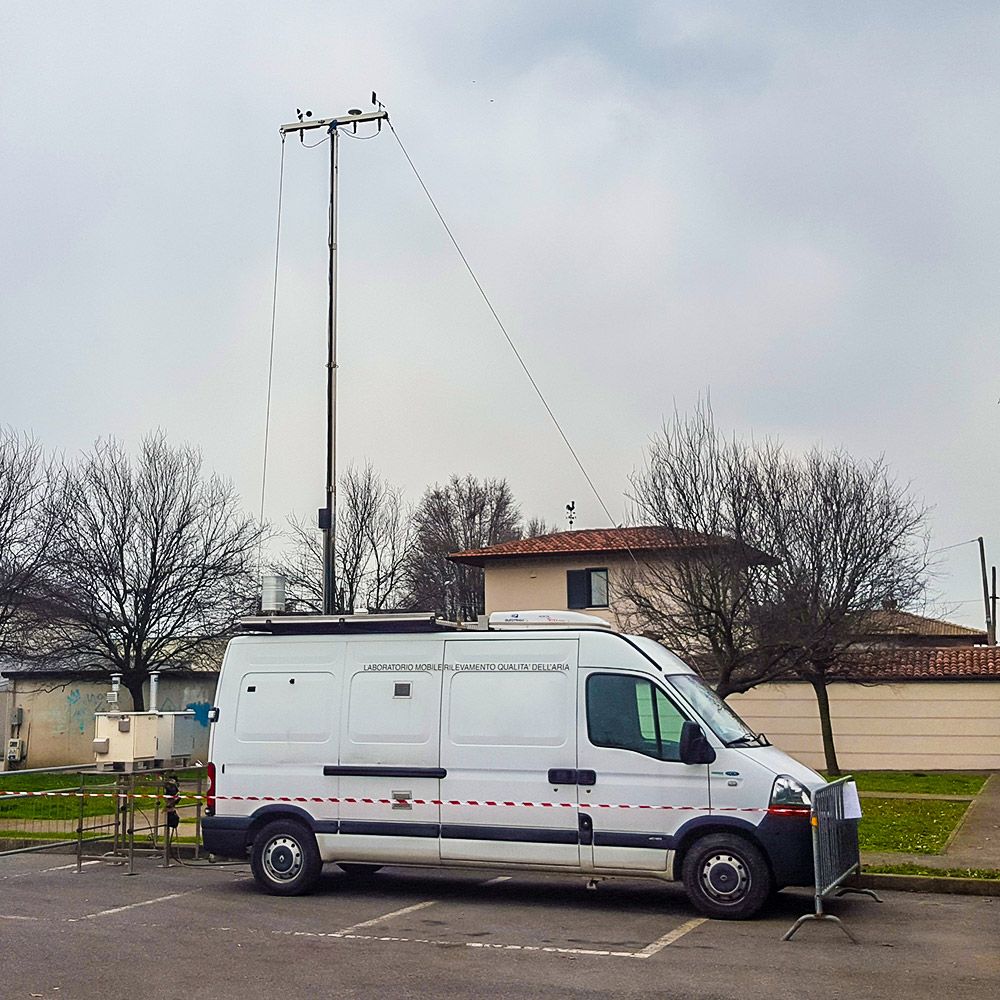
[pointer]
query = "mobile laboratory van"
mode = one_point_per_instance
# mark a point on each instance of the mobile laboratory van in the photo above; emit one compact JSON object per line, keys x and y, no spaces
{"x":544,"y":742}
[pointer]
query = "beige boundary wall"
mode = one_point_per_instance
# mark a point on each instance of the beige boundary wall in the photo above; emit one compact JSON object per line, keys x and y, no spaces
{"x":915,"y":725}
{"x":58,"y":721}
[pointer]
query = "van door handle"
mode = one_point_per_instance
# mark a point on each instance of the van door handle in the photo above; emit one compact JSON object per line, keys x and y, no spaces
{"x":562,"y":776}
{"x":571,"y":776}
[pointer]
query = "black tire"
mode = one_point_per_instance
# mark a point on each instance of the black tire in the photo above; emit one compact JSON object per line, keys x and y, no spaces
{"x":726,"y":877}
{"x":358,"y":869}
{"x":285,"y":859}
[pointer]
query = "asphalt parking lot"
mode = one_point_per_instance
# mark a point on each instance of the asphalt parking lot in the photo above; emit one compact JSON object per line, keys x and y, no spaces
{"x":186,"y":932}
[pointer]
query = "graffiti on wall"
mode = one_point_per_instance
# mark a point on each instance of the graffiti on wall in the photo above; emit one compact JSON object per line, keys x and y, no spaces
{"x":82,"y":707}
{"x":200,"y":709}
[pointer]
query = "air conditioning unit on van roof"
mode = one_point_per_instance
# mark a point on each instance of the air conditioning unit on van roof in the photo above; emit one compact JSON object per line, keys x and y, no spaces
{"x":544,"y":619}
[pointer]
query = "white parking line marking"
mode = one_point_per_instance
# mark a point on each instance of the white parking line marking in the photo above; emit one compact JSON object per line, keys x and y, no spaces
{"x":481,"y":945}
{"x":385,"y":916}
{"x":678,"y":932}
{"x":133,"y":906}
{"x":14,"y":916}
{"x":58,"y":868}
{"x":499,"y":878}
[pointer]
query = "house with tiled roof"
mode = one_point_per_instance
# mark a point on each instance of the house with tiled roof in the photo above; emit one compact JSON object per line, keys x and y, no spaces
{"x":582,"y":570}
{"x":917,"y":693}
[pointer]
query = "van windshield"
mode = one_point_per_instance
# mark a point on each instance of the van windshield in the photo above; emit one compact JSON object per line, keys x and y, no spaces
{"x":720,"y":718}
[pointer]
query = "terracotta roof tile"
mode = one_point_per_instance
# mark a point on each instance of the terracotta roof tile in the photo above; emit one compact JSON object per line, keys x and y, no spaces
{"x":907,"y":623}
{"x":593,"y":541}
{"x":913,"y":663}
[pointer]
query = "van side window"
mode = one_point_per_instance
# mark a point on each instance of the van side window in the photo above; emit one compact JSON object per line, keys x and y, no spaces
{"x":631,"y":713}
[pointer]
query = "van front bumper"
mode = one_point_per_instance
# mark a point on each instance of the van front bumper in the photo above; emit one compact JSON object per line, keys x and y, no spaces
{"x":787,"y":840}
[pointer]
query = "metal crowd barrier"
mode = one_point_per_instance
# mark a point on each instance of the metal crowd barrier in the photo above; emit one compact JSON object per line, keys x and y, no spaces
{"x":836,"y":856}
{"x":103,"y":815}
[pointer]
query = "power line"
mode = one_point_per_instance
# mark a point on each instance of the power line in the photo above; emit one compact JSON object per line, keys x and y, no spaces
{"x":503,"y":329}
{"x":955,"y":545}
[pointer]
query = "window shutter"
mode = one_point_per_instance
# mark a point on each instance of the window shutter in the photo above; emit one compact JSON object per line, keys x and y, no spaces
{"x":577,"y":588}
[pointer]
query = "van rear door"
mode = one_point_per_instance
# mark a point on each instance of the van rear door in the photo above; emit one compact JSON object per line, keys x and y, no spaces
{"x":508,"y":735}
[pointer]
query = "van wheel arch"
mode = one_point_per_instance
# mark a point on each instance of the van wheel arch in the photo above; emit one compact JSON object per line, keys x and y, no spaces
{"x":268,"y":814}
{"x":730,"y":829}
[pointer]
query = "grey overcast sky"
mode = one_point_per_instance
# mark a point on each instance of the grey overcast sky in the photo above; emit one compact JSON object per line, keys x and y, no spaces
{"x":792,"y":205}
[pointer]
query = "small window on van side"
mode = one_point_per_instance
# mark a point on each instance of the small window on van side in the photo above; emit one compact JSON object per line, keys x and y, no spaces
{"x":631,"y":713}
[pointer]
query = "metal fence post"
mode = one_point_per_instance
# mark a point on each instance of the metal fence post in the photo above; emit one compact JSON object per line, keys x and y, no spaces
{"x":130,"y":785}
{"x":79,"y":829}
{"x":197,"y":818}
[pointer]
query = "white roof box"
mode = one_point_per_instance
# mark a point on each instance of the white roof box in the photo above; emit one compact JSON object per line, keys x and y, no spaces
{"x":544,"y":619}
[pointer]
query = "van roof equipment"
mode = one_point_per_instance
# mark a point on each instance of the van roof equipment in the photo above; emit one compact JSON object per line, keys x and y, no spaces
{"x":512,"y":620}
{"x":346,"y":624}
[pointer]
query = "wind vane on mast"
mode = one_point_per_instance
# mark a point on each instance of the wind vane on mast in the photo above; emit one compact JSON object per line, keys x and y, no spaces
{"x":328,"y":513}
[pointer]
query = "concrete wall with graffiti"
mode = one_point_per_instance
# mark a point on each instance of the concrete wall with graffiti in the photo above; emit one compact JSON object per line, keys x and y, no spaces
{"x":57,"y":717}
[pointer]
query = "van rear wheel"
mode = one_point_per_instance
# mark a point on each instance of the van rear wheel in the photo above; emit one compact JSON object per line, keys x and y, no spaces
{"x":726,"y":877}
{"x":285,"y":859}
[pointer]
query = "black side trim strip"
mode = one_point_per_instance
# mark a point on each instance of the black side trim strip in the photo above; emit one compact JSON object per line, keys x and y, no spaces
{"x":384,"y":772}
{"x":226,"y":822}
{"x":363,"y":828}
{"x":516,"y":834}
{"x":660,"y":841}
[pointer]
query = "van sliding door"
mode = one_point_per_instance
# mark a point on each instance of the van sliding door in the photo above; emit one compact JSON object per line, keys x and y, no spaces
{"x":389,"y":751}
{"x":508,"y":735}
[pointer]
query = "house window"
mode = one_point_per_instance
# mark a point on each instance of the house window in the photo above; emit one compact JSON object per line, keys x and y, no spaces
{"x":587,"y":588}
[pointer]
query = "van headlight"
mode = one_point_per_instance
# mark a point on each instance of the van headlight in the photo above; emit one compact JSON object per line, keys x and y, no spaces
{"x":787,"y":793}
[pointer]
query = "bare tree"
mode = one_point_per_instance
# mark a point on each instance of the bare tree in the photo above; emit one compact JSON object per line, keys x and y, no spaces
{"x":463,"y":514}
{"x":374,"y":533}
{"x":152,"y":563}
{"x":537,"y":526}
{"x":27,"y":524}
{"x":849,"y":539}
{"x":807,"y":548}
{"x":704,"y":601}
{"x":301,"y":564}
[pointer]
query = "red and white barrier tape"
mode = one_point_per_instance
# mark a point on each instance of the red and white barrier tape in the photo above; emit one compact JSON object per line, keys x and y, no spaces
{"x":353,"y":800}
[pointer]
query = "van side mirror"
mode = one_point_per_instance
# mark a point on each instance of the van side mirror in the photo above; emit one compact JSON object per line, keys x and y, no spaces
{"x":694,"y":748}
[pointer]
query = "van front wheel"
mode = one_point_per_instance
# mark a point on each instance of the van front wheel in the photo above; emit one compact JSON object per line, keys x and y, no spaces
{"x":285,"y":859}
{"x":726,"y":877}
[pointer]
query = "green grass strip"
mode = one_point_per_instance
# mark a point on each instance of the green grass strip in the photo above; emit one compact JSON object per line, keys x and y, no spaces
{"x":920,"y":782}
{"x":911,"y":826}
{"x":910,"y":869}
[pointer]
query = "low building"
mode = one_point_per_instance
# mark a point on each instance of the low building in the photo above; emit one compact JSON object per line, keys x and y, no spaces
{"x":580,"y":570}
{"x":50,"y":707}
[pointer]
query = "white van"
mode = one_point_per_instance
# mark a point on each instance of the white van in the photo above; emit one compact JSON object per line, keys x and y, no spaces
{"x":546,"y":742}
